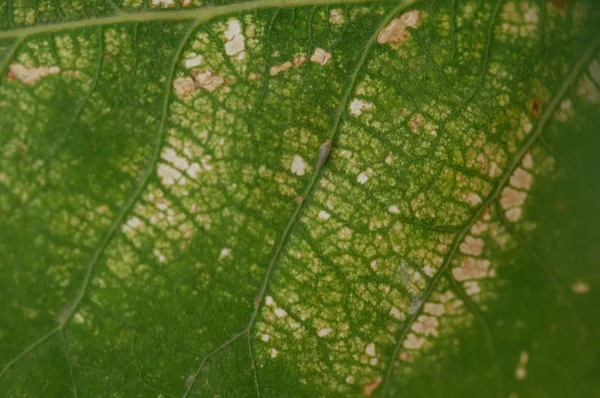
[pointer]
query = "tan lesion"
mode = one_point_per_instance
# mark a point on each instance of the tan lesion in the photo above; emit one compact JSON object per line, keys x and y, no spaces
{"x":30,"y":75}
{"x":396,"y":32}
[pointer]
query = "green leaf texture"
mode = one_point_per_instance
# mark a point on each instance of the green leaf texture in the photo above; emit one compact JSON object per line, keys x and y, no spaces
{"x":173,"y":222}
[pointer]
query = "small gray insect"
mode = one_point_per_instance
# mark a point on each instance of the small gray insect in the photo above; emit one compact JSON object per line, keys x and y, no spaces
{"x":324,"y":154}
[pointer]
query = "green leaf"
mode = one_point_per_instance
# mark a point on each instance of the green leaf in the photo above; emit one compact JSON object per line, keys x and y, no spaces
{"x":299,"y":198}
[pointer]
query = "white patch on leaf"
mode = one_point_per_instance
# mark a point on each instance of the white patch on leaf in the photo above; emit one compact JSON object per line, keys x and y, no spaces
{"x":394,"y":209}
{"x":323,"y":215}
{"x":320,"y":57}
{"x":298,"y":166}
{"x":193,"y":60}
{"x":357,"y":106}
{"x":370,"y":349}
{"x":235,"y":42}
{"x":30,"y":76}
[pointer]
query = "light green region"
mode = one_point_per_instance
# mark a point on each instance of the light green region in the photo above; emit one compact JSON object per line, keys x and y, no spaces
{"x":299,"y":198}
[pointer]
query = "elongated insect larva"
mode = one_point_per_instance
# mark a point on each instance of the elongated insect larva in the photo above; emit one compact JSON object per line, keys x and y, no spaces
{"x":324,"y":154}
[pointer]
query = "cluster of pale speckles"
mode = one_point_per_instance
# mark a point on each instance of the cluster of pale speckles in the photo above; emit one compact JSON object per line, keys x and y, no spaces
{"x":163,"y":3}
{"x":470,"y":268}
{"x":473,"y":265}
{"x":206,"y":63}
{"x":519,"y":21}
{"x":383,"y":239}
{"x":521,"y":370}
{"x":179,"y":167}
{"x":443,"y":306}
{"x":513,"y":196}
{"x":37,"y":62}
{"x":588,"y":86}
{"x":157,"y":213}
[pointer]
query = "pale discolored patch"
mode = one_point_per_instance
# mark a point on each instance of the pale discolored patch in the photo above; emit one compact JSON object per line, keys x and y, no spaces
{"x":370,"y":349}
{"x":207,"y":80}
{"x":397,"y":314}
{"x":495,"y":170}
{"x":280,"y":312}
{"x":172,"y":157}
{"x":429,"y":270}
{"x":162,"y":3}
{"x":472,"y":246}
{"x":413,"y":342}
{"x":298,"y":166}
{"x":396,"y":31}
{"x":184,"y":86}
{"x":416,"y":122}
{"x":425,"y":325}
{"x":168,"y":175}
{"x":320,"y":57}
{"x":478,"y":228}
{"x":513,"y":215}
{"x":580,"y":287}
{"x":521,"y":370}
{"x":371,"y":386}
{"x":30,"y":76}
{"x":235,"y":42}
{"x":587,"y":89}
{"x":594,"y":70}
{"x":159,"y":255}
{"x":512,"y":198}
{"x":276,"y":69}
{"x":473,"y":199}
{"x":394,"y":209}
{"x":193,"y":60}
{"x":362,"y":178}
{"x":471,"y":268}
{"x":357,"y":106}
{"x":323,"y":215}
{"x":389,"y":159}
{"x":132,"y":224}
{"x":521,"y":179}
{"x":336,"y":16}
{"x":324,"y":332}
{"x":201,"y":79}
{"x":434,"y":309}
{"x":527,"y":161}
{"x":406,"y":356}
{"x":472,"y":288}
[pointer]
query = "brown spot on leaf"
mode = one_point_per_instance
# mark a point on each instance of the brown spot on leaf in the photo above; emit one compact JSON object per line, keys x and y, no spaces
{"x":371,"y":386}
{"x":416,"y":122}
{"x":560,"y":4}
{"x":536,"y":107}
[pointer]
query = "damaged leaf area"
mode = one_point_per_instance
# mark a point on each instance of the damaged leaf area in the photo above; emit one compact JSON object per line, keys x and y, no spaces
{"x":313,"y":198}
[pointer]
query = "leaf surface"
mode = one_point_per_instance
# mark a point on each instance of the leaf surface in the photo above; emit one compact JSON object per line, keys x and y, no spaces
{"x":299,"y":198}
